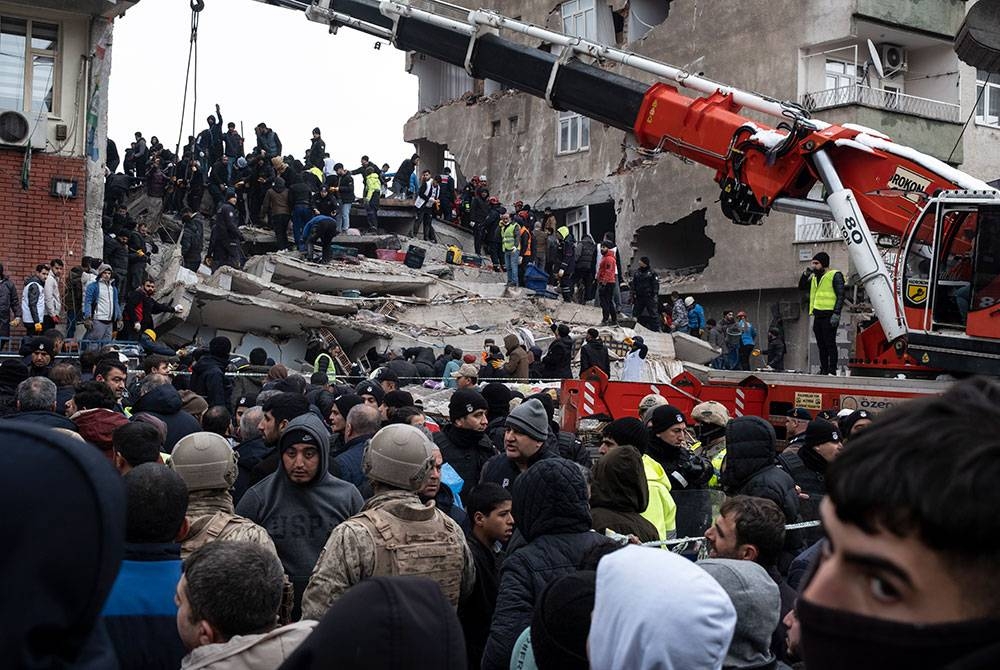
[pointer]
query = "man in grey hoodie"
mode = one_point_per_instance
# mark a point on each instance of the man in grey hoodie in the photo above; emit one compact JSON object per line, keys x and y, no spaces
{"x":301,"y":503}
{"x":756,"y":599}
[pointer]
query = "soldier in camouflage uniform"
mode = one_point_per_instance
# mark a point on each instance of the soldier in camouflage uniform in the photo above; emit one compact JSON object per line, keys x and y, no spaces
{"x":395,"y":533}
{"x":207,"y":464}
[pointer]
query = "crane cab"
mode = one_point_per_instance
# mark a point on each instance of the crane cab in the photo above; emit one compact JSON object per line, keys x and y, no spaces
{"x":948,"y":283}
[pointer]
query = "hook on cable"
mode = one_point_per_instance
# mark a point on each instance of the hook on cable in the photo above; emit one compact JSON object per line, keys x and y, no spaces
{"x":197,"y":5}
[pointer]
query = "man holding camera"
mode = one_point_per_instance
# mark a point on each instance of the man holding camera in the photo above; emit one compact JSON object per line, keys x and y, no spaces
{"x":826,"y":300}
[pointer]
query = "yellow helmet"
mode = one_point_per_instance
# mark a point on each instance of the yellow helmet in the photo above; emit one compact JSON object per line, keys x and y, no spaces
{"x":150,"y":333}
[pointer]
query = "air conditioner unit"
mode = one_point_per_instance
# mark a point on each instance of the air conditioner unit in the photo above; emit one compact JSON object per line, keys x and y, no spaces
{"x":17,"y":129}
{"x":893,"y":58}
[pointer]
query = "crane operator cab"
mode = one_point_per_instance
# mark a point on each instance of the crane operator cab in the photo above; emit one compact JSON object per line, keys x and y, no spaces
{"x":950,"y":286}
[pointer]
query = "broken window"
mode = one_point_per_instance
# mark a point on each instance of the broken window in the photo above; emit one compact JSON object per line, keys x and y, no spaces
{"x":574,"y":133}
{"x":681,"y":246}
{"x":513,"y":125}
{"x":644,"y":15}
{"x":495,"y":129}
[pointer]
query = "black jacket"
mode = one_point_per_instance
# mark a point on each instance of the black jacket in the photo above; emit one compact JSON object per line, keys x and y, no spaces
{"x":620,"y":494}
{"x":480,"y":209}
{"x":423,"y":359}
{"x":556,"y":364}
{"x":807,"y":469}
{"x":208,"y":380}
{"x":250,"y":453}
{"x":550,"y":505}
{"x":686,"y":469}
{"x":503,"y":471}
{"x":317,"y":152}
{"x":164,"y":403}
{"x":476,"y":612}
{"x":224,"y":246}
{"x":140,"y":308}
{"x":299,"y":194}
{"x":751,"y":469}
{"x":594,"y":352}
{"x":193,"y":240}
{"x":645,"y":285}
{"x":116,"y":255}
{"x":467,"y":451}
{"x":44,"y":418}
{"x":805,"y":283}
{"x":345,"y":188}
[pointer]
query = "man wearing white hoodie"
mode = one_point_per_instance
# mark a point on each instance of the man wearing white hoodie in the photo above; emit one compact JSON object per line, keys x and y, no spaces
{"x":655,"y":609}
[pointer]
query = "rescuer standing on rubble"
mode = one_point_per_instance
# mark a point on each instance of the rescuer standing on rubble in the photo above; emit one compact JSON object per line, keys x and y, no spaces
{"x":826,"y":299}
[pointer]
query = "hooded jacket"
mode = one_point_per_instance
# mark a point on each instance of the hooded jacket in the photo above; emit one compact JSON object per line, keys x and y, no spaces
{"x":164,"y":402}
{"x":97,"y":426}
{"x":385,"y":623}
{"x":53,"y":596}
{"x":299,"y":518}
{"x":550,"y":506}
{"x":686,"y":469}
{"x":518,"y":359}
{"x":556,"y":364}
{"x":209,"y":380}
{"x":756,"y":599}
{"x":594,"y":353}
{"x":751,"y":469}
{"x":504,"y":471}
{"x":619,"y":495}
{"x":642,"y":594}
{"x":250,"y":652}
{"x":467,"y":451}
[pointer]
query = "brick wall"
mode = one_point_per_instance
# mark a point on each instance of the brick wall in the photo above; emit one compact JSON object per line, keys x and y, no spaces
{"x":36,"y":227}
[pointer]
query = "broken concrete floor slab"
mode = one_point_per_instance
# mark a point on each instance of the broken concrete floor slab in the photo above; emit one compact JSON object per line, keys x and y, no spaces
{"x":243,"y":283}
{"x":367,"y":275}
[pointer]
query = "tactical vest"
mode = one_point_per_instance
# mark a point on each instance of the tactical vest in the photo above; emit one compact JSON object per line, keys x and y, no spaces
{"x":420,"y":544}
{"x":219,"y":528}
{"x":808,"y":480}
{"x":821,"y":293}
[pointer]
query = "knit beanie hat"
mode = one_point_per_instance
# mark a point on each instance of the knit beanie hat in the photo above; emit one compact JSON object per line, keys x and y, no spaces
{"x":628,"y":430}
{"x":497,"y":398}
{"x":547,"y":403}
{"x":846,"y":424}
{"x":561,"y":622}
{"x":464,"y":402}
{"x":529,"y":418}
{"x":820,"y":431}
{"x":371,"y":388}
{"x":663,"y":417}
{"x":220,"y":347}
{"x":346,"y":401}
{"x":823,"y":258}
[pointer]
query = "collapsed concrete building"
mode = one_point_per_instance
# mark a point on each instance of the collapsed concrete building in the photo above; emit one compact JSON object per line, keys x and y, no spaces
{"x":281,"y":302}
{"x":596,"y":179}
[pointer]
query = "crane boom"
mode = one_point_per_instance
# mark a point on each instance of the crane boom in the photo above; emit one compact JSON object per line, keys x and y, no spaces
{"x":872,"y":184}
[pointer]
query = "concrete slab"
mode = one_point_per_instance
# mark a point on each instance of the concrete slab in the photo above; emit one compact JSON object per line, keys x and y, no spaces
{"x":367,"y":276}
{"x":237,"y":281}
{"x":693,"y":349}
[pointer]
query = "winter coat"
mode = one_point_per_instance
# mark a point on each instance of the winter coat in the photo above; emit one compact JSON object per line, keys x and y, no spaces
{"x":402,"y":175}
{"x":550,"y":505}
{"x":208,"y":380}
{"x":33,"y":300}
{"x":275,"y":203}
{"x":345,"y":188}
{"x":607,"y":270}
{"x":620,"y":494}
{"x":251,"y":453}
{"x":518,"y":359}
{"x":480,"y":209}
{"x":156,"y":183}
{"x":586,"y":256}
{"x":193,"y":240}
{"x":43,"y":418}
{"x":116,"y":255}
{"x":504,"y":471}
{"x":97,"y":427}
{"x":347,"y":465}
{"x":73,"y":295}
{"x":423,"y":359}
{"x":467,"y":451}
{"x":594,"y":353}
{"x":696,"y":317}
{"x":317,"y":151}
{"x":250,"y":652}
{"x":224,"y":246}
{"x":645,"y":286}
{"x":140,"y":308}
{"x":567,"y":252}
{"x":270,"y":143}
{"x":140,"y":614}
{"x":751,"y":469}
{"x":164,"y":402}
{"x":556,"y":364}
{"x":476,"y":611}
{"x":233,"y":144}
{"x":686,"y":469}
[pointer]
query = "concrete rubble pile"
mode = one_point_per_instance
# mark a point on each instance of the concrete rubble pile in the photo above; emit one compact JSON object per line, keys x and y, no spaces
{"x":281,"y":302}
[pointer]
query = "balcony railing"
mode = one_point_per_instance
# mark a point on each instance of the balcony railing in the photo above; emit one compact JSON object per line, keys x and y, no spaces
{"x":878,"y":98}
{"x":811,"y":230}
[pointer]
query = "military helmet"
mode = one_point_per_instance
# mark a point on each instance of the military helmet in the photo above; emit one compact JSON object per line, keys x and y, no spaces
{"x":711,"y":412}
{"x":205,"y":461}
{"x":650,"y":402}
{"x":399,"y":455}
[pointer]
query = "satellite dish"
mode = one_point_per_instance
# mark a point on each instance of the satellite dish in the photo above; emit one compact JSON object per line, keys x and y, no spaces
{"x":876,"y":59}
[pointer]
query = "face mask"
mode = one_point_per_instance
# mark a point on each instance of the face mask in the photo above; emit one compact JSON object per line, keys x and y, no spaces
{"x":835,"y":640}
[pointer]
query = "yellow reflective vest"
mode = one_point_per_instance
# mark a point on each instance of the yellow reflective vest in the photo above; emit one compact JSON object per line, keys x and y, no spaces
{"x":661,"y":510}
{"x":821,"y":293}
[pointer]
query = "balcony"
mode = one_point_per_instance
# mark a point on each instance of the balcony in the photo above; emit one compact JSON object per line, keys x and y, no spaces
{"x":876,"y":98}
{"x":814,"y":230}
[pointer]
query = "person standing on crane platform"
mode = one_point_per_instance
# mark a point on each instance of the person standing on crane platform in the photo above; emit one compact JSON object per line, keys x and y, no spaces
{"x":826,"y":300}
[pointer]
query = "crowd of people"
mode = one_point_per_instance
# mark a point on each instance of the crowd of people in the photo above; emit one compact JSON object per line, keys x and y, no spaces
{"x":270,"y":520}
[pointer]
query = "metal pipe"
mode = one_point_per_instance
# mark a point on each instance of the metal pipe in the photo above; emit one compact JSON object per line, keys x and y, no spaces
{"x":816,"y":209}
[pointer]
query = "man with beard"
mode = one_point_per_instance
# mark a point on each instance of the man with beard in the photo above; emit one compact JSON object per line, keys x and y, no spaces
{"x":140,"y":308}
{"x":463,"y":442}
{"x":667,"y":446}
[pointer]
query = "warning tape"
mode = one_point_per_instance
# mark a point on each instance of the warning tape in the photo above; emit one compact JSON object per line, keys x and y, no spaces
{"x":686,"y":540}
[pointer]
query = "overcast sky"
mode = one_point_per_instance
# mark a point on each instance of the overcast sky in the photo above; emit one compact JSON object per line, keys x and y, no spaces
{"x":260,"y":63}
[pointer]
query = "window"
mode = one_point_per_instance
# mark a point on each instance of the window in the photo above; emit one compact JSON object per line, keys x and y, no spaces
{"x":840,"y":74}
{"x":495,"y":129}
{"x":28,"y":72}
{"x":513,"y":125}
{"x":579,"y":18}
{"x":987,"y":98}
{"x":578,"y":221}
{"x":574,"y":133}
